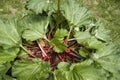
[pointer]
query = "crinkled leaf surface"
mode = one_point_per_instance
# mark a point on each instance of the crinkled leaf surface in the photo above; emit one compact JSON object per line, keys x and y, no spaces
{"x":6,"y":77}
{"x":4,"y":67}
{"x":31,"y":70}
{"x":8,"y":55}
{"x":38,"y":6}
{"x":83,"y":53}
{"x":102,"y":33}
{"x":115,"y":76}
{"x":58,"y":45}
{"x":74,"y":12}
{"x":110,"y":49}
{"x":22,"y":54}
{"x":82,"y":36}
{"x":108,"y":58}
{"x":94,"y":43}
{"x":78,"y":72}
{"x":63,"y":72}
{"x":87,"y":40}
{"x":102,"y":65}
{"x":63,"y":66}
{"x":89,"y":72}
{"x":60,"y":34}
{"x":9,"y":34}
{"x":66,"y":75}
{"x":37,"y":27}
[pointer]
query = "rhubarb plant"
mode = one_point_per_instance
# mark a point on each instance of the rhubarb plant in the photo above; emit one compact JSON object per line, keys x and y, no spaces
{"x":57,"y":40}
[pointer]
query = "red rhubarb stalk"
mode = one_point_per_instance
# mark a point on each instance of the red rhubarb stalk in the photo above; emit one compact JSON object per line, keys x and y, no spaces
{"x":71,"y":53}
{"x":43,"y":52}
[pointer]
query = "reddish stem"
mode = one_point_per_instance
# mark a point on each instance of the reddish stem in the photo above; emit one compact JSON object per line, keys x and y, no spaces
{"x":43,"y":52}
{"x":60,"y":57}
{"x":71,"y":53}
{"x":65,"y":41}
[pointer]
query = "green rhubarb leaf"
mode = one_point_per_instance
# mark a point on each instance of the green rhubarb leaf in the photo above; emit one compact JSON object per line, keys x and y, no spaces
{"x":82,"y":36}
{"x":109,"y":49}
{"x":115,"y":76}
{"x":94,"y":43}
{"x":6,"y":77}
{"x":79,"y":71}
{"x":37,"y":28}
{"x":88,"y":72}
{"x":102,"y":33}
{"x":8,"y":55}
{"x":63,"y":66}
{"x":59,"y":75}
{"x":60,"y":34}
{"x":9,"y":34}
{"x":69,"y":75}
{"x":38,"y":6}
{"x":63,"y":69}
{"x":4,"y":67}
{"x":74,"y":12}
{"x":22,"y":54}
{"x":86,"y":39}
{"x":31,"y":70}
{"x":108,"y":58}
{"x":58,"y":45}
{"x":83,"y":53}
